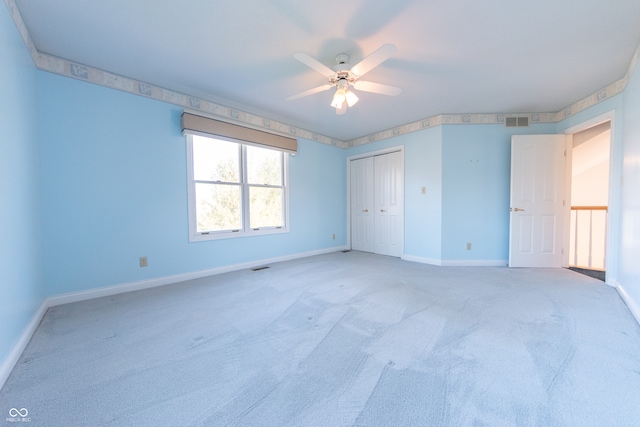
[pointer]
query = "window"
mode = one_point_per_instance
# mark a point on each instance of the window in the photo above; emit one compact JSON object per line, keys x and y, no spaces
{"x":235,"y":189}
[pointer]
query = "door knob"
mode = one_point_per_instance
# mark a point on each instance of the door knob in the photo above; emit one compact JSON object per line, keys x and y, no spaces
{"x":365,"y":210}
{"x":516,"y":210}
{"x":382,"y":210}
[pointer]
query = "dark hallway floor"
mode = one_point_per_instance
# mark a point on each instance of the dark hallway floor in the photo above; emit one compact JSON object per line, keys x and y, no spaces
{"x":596,"y":274}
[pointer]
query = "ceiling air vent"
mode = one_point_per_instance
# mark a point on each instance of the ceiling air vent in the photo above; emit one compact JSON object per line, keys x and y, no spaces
{"x":516,"y":122}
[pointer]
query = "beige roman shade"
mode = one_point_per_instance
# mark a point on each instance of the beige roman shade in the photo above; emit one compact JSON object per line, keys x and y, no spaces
{"x":199,"y":125}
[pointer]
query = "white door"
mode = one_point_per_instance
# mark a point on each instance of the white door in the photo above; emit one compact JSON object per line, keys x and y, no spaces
{"x":537,"y":200}
{"x":362,"y":207}
{"x":388,"y":183}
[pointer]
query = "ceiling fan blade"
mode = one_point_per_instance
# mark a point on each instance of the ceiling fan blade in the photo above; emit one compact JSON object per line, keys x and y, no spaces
{"x":314,"y":64}
{"x":380,"y":55}
{"x":310,"y":92}
{"x":377,"y":88}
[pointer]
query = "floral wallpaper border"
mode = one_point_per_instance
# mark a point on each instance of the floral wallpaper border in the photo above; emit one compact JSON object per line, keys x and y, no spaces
{"x":71,"y":69}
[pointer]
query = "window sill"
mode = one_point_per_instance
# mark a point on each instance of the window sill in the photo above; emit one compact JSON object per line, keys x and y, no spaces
{"x":202,"y":237}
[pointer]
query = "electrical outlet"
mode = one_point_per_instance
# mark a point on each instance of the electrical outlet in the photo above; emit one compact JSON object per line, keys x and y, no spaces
{"x":143,"y":261}
{"x":424,"y":190}
{"x":334,"y":236}
{"x":468,"y":246}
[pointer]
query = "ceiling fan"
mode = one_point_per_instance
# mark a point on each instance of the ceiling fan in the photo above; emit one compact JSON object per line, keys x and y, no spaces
{"x":342,"y":77}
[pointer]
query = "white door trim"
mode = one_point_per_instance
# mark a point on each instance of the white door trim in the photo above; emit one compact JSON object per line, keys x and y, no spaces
{"x":393,"y":149}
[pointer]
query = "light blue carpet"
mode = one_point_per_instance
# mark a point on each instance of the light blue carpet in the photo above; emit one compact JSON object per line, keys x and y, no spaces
{"x":337,"y":340}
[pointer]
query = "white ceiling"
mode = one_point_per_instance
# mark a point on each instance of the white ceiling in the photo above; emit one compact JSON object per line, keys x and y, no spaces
{"x":453,"y":57}
{"x":591,"y":153}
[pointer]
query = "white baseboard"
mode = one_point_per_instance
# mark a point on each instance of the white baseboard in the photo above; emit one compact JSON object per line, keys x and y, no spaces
{"x":18,"y":348}
{"x":633,"y":305}
{"x":167,"y":280}
{"x":457,"y":263}
{"x":430,"y":261}
{"x":475,"y":263}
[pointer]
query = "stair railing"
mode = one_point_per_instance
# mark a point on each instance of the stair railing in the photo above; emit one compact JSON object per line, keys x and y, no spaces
{"x":578,"y":245}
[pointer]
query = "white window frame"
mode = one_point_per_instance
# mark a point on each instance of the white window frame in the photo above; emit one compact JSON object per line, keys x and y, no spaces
{"x":195,"y":236}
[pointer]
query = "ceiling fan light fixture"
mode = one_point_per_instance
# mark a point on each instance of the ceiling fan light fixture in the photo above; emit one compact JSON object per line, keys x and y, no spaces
{"x":343,"y":76}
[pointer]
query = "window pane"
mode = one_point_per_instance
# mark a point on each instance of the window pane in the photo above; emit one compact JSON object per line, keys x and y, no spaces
{"x":265,"y":207}
{"x":218,"y":207}
{"x":215,"y":160}
{"x":264,"y":166}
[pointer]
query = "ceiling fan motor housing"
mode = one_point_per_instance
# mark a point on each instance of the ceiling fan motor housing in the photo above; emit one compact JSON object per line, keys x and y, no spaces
{"x":342,"y":58}
{"x":342,"y":79}
{"x":342,"y":63}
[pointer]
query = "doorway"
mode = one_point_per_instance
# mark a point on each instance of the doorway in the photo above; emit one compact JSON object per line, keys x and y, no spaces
{"x":590,"y":170}
{"x":376,"y":202}
{"x":611,"y":229}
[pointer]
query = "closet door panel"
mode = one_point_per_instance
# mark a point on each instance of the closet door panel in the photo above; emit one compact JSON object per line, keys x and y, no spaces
{"x":388,"y":184}
{"x":362,"y":208}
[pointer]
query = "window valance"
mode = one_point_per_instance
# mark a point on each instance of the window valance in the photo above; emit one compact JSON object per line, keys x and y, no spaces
{"x":205,"y":126}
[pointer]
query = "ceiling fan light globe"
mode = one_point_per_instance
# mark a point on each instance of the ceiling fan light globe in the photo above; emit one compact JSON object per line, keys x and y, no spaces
{"x":338,"y":99}
{"x":337,"y":103}
{"x":351,"y":98}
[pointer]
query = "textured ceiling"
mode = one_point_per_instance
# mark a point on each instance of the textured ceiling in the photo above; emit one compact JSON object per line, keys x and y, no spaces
{"x":455,"y":57}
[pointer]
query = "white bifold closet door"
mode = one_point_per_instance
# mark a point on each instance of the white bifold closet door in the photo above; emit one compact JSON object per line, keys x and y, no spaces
{"x":377,"y":204}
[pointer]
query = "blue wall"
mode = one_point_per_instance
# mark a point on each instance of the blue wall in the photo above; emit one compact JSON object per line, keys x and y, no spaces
{"x":422,"y":168}
{"x":629,"y":266}
{"x":21,"y":286}
{"x":115,"y":189}
{"x":466,"y":171}
{"x":476,"y":165}
{"x":624,"y":212}
{"x":423,"y":212}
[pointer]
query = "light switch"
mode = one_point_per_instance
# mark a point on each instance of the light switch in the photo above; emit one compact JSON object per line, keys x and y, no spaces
{"x":424,"y":190}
